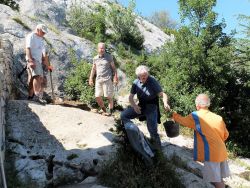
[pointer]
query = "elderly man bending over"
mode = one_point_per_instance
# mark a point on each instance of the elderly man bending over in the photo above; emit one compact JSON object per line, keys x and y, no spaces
{"x":210,"y":135}
{"x":148,"y":91}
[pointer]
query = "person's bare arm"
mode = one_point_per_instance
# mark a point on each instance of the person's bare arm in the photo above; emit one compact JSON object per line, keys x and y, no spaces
{"x":165,"y":100}
{"x":115,"y":79}
{"x":92,"y":74}
{"x":45,"y":61}
{"x":31,"y":62}
{"x":133,"y":104}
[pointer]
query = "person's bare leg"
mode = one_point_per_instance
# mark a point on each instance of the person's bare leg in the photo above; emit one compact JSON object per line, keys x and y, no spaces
{"x":37,"y":85}
{"x":111,"y":103}
{"x":100,"y":103}
{"x":30,"y":84}
{"x":30,"y":87}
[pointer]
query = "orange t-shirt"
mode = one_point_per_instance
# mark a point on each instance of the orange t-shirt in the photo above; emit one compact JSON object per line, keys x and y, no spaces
{"x":209,"y":136}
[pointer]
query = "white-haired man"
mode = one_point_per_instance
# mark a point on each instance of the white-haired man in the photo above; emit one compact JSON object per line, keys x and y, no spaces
{"x":35,"y":56}
{"x":148,"y":91}
{"x":209,"y":140}
{"x":106,"y":75}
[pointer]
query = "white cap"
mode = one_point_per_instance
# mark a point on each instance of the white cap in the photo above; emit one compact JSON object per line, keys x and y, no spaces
{"x":42,"y":27}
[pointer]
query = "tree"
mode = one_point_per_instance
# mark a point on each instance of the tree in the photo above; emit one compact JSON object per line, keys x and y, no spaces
{"x":162,"y":20}
{"x":123,"y":22}
{"x":201,"y":59}
{"x":10,"y":3}
{"x":243,"y":44}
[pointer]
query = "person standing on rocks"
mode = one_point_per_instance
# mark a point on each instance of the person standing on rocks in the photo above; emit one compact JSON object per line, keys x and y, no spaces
{"x":106,"y":75}
{"x":210,"y":133}
{"x":35,"y":57}
{"x":148,"y":91}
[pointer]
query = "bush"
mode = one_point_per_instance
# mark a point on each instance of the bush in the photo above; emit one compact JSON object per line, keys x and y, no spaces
{"x":76,"y":84}
{"x":123,"y":22}
{"x":126,"y":169}
{"x":10,"y":3}
{"x":88,"y":24}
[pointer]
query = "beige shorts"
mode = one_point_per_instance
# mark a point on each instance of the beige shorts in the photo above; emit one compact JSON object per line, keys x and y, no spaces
{"x":215,"y":172}
{"x":104,"y":88}
{"x":37,"y":71}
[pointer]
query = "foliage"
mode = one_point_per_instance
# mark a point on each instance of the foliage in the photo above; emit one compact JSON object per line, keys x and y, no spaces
{"x":13,"y":4}
{"x":123,"y":22}
{"x":245,"y":23}
{"x":126,"y":169}
{"x":18,"y":20}
{"x":76,"y":84}
{"x":94,"y":24}
{"x":72,"y":156}
{"x":162,"y":20}
{"x":202,"y":59}
{"x":88,"y":24}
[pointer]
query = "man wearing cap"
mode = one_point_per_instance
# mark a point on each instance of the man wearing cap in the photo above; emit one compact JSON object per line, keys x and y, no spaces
{"x":36,"y":56}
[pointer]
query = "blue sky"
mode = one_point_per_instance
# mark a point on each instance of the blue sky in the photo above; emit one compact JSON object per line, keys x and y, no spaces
{"x":227,"y":9}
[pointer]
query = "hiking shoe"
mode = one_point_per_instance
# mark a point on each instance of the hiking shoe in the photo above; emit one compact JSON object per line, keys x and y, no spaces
{"x":39,"y":100}
{"x":31,"y":97}
{"x":109,"y":111}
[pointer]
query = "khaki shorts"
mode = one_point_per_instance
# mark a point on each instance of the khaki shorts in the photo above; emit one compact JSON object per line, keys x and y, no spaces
{"x":104,"y":88}
{"x":31,"y":74}
{"x":37,"y":71}
{"x":215,"y":172}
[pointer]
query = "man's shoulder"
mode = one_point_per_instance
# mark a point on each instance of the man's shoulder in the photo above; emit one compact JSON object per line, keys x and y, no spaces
{"x":152,"y":80}
{"x":29,"y":35}
{"x":96,"y":57}
{"x":136,"y":81}
{"x":108,"y":56}
{"x":216,"y":116}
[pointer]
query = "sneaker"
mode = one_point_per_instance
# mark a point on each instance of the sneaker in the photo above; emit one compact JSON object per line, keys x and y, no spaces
{"x":110,"y":111}
{"x":39,"y":100}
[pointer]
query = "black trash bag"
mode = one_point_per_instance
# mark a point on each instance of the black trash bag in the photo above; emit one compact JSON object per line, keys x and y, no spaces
{"x":171,"y":128}
{"x":139,"y":143}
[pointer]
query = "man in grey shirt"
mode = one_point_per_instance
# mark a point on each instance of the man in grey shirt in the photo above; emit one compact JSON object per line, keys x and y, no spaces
{"x":106,"y":74}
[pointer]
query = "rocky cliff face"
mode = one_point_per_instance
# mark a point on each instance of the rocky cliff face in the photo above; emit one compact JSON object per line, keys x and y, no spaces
{"x":16,"y":25}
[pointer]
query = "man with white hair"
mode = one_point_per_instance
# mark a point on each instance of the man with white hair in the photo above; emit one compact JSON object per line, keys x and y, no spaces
{"x":210,"y":133}
{"x":35,"y":56}
{"x":148,"y":91}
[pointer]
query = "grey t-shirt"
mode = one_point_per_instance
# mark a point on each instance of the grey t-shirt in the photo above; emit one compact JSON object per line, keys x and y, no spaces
{"x":103,"y":67}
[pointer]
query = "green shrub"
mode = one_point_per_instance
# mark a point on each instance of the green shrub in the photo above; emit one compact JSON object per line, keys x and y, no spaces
{"x":19,"y":21}
{"x":13,"y":4}
{"x":126,"y":169}
{"x":76,"y":84}
{"x":88,"y":24}
{"x":123,"y":22}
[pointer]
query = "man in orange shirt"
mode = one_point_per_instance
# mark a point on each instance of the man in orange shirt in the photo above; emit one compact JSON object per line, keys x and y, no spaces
{"x":210,"y":133}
